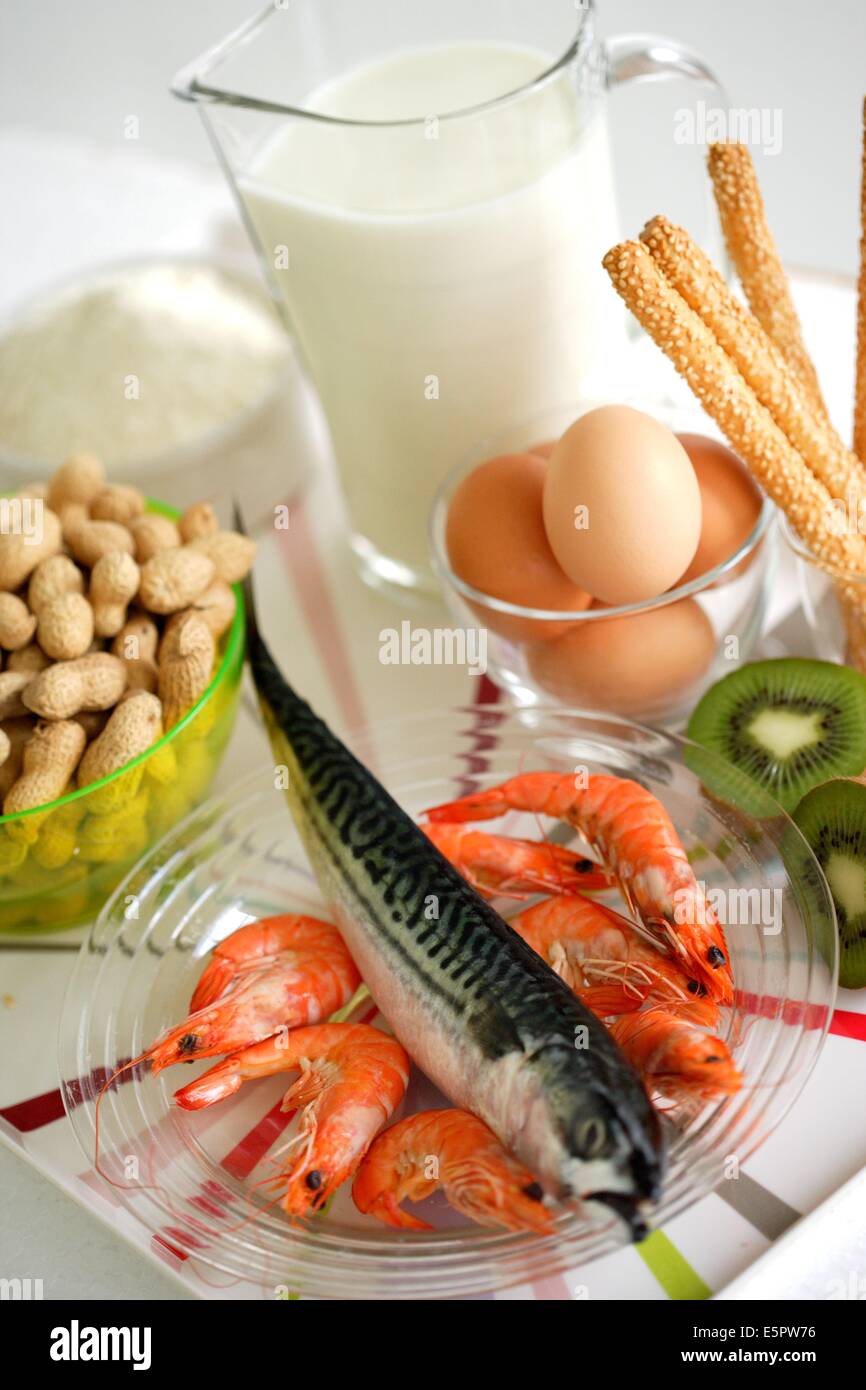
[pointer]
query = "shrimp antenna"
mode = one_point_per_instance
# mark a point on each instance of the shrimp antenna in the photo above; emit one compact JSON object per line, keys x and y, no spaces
{"x":127,"y":1066}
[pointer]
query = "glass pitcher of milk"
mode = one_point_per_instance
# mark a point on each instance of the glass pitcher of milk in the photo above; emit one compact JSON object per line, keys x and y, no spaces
{"x":429,"y":186}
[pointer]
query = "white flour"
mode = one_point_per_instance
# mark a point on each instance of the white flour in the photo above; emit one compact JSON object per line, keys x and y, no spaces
{"x":135,"y":361}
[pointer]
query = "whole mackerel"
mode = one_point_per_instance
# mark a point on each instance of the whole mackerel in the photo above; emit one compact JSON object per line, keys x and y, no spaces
{"x":484,"y":1016}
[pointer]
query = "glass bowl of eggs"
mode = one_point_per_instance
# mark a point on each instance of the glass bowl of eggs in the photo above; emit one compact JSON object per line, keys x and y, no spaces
{"x":609,"y":562}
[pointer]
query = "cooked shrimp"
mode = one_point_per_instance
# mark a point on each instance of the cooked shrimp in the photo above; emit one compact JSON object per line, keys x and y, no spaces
{"x":260,"y":944}
{"x":352,"y":1079}
{"x":453,"y":1150}
{"x":677,"y":1057}
{"x":500,"y":865}
{"x":635,"y":838}
{"x":282,"y":972}
{"x":603,"y":957}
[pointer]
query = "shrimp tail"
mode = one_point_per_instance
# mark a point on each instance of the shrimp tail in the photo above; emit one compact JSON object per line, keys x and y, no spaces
{"x":387,"y":1209}
{"x":486,"y":805}
{"x":218,"y":1083}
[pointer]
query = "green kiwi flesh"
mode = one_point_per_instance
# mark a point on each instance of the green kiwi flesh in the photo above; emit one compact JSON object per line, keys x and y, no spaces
{"x":787,"y":724}
{"x":832,"y":819}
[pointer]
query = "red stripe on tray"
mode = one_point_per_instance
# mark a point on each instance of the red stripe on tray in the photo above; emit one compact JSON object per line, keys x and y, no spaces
{"x":300,"y":555}
{"x":35,"y":1112}
{"x":44,"y":1109}
{"x":846,"y":1024}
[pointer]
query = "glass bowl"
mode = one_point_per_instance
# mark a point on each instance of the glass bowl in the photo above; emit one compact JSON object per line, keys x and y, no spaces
{"x":649,"y":661}
{"x":837,"y":627}
{"x":266,"y":440}
{"x":60,"y":861}
{"x":190,"y":1178}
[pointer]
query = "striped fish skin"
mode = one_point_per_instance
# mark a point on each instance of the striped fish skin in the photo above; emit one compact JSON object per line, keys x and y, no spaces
{"x":484,"y":1016}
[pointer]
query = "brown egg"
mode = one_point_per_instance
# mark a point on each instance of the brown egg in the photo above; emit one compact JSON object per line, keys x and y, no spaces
{"x":731,"y":502}
{"x":622,"y":506}
{"x":543,"y":450}
{"x":638,"y":665}
{"x":495,"y":539}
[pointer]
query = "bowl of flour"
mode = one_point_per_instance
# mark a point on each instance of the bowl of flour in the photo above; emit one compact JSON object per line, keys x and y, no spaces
{"x":178,"y":374}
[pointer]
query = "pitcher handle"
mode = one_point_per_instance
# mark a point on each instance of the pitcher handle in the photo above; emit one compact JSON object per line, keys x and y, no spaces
{"x":653,"y":58}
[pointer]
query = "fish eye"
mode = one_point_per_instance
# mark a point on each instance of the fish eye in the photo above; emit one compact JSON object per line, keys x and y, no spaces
{"x":591,"y":1137}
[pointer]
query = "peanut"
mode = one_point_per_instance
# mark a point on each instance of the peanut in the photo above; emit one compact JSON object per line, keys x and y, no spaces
{"x":65,"y":628}
{"x":92,"y":722}
{"x":232,"y":554}
{"x":32,"y":659}
{"x":92,"y":682}
{"x":90,"y":540}
{"x":141,"y":675}
{"x":161,"y":766}
{"x":72,"y":515}
{"x":79,"y":479}
{"x":185,"y":662}
{"x":17,"y":624}
{"x":151,"y":534}
{"x":113,"y":582}
{"x":172,"y":579}
{"x":216,"y":604}
{"x":137,"y":639}
{"x":5,"y":746}
{"x":133,"y":727}
{"x":58,"y":834}
{"x":12,"y":683}
{"x":111,"y":838}
{"x":15,"y":733}
{"x":52,"y":577}
{"x":117,"y":502}
{"x":136,"y":645}
{"x":21,"y":553}
{"x":12,"y":856}
{"x":49,"y":759}
{"x":199,"y":520}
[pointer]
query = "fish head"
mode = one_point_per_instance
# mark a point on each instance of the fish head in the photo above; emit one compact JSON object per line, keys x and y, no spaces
{"x":599,"y":1144}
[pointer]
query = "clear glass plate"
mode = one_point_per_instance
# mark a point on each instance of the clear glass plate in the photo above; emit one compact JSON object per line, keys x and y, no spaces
{"x":191,"y":1178}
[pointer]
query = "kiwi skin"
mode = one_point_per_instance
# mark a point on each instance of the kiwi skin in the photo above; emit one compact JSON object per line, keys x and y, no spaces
{"x":832,"y":819}
{"x":777,"y":692}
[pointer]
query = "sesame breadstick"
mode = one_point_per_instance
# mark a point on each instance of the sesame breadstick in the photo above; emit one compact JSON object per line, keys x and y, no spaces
{"x":757,"y":261}
{"x":759,"y":361}
{"x":860,"y":386}
{"x":730,"y":401}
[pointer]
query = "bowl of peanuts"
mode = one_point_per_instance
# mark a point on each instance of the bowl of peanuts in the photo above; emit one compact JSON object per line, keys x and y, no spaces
{"x":122,"y":647}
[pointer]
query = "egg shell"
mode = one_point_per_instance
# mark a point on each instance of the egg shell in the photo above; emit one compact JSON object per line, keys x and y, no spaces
{"x":543,"y":450}
{"x":638,"y":665}
{"x":622,"y":506}
{"x":731,"y":503}
{"x":495,"y":541}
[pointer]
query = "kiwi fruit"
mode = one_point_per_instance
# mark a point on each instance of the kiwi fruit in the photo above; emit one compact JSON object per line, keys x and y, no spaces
{"x":786,"y":725}
{"x":832,"y":819}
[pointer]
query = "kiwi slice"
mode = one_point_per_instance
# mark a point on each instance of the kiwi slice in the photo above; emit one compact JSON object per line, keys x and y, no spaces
{"x":786,"y":724}
{"x":832,"y":819}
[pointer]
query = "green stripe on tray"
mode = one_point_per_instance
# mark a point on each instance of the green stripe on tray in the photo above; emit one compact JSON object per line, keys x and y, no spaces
{"x":671,"y":1269}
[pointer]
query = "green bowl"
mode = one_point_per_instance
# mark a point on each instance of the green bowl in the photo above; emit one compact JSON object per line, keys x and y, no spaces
{"x":59,"y":862}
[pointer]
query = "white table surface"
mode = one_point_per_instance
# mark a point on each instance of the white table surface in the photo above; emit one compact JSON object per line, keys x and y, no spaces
{"x":43,"y":1233}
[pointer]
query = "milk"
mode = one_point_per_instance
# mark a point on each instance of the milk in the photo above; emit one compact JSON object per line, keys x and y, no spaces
{"x":442,"y":277}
